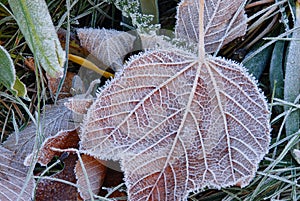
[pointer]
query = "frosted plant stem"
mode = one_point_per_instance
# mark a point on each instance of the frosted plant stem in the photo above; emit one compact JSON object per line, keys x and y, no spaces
{"x":201,"y":50}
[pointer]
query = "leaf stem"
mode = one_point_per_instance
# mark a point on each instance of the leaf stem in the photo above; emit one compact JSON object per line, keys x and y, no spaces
{"x":89,"y":65}
{"x":201,"y":49}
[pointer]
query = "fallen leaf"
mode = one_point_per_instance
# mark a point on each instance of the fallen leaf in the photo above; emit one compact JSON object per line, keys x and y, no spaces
{"x":79,"y":105}
{"x":223,"y":22}
{"x":12,"y":178}
{"x":109,"y":46}
{"x":54,"y":119}
{"x":29,"y":63}
{"x":48,"y":189}
{"x":179,"y":121}
{"x":62,"y":140}
{"x":96,"y":171}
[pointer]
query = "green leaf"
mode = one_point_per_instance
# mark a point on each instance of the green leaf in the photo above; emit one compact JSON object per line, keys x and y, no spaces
{"x":36,"y":25}
{"x":8,"y":75}
{"x":20,"y":88}
{"x":7,"y":70}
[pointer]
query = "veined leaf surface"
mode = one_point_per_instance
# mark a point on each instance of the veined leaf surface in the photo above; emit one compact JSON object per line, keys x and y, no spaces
{"x":180,"y":121}
{"x":223,"y":22}
{"x":12,"y":178}
{"x":179,"y":125}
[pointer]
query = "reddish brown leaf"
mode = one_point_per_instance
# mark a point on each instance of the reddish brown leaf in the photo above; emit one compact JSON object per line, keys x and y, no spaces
{"x":49,"y":190}
{"x":96,"y":171}
{"x":181,"y":121}
{"x":179,"y":125}
{"x":79,"y":105}
{"x":62,"y":140}
{"x":29,"y":63}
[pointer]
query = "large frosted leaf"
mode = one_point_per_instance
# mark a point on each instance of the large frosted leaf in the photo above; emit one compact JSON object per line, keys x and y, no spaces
{"x":223,"y":22}
{"x":180,"y":121}
{"x":179,"y":125}
{"x":36,"y":25}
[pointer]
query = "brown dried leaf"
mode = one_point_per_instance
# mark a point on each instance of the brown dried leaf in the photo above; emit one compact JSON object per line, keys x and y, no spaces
{"x":179,"y":125}
{"x":12,"y":178}
{"x":220,"y":23}
{"x":62,"y":140}
{"x":109,"y":46}
{"x":49,"y":190}
{"x":96,"y":171}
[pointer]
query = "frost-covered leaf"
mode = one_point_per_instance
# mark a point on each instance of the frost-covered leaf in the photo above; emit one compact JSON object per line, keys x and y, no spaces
{"x":109,"y":46}
{"x":12,"y":178}
{"x":154,"y":41}
{"x":180,"y":121}
{"x":36,"y":25}
{"x":62,"y":140}
{"x":223,"y":22}
{"x":96,"y":171}
{"x":55,"y":118}
{"x":179,"y":125}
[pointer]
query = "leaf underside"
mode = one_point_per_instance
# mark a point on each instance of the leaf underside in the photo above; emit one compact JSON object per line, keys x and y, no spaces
{"x":178,"y":125}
